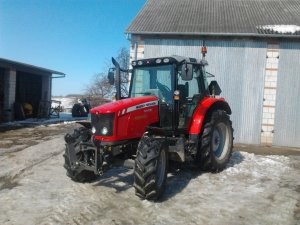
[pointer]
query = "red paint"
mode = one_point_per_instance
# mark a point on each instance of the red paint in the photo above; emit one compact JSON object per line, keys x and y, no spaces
{"x":200,"y":112}
{"x":129,"y":125}
{"x":121,"y":104}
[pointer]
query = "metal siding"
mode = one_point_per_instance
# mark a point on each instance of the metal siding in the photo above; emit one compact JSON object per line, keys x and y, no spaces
{"x":287,"y":120}
{"x":239,"y":67}
{"x":165,"y":47}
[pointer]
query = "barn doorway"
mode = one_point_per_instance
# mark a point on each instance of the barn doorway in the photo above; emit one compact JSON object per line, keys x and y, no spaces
{"x":29,"y":90}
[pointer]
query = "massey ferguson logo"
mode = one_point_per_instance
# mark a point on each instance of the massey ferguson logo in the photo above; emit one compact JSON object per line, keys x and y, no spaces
{"x":145,"y":105}
{"x":140,"y":106}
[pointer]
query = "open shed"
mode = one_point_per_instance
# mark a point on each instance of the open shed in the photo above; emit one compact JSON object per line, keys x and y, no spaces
{"x":23,"y":85}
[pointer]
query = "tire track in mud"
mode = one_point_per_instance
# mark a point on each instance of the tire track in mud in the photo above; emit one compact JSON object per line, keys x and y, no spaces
{"x":11,"y":181}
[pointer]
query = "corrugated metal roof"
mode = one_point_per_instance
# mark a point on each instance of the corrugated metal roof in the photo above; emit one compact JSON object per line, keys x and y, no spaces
{"x":224,"y":17}
{"x":6,"y":63}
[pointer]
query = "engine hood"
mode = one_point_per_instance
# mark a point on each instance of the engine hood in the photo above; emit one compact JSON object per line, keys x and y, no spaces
{"x":125,"y":105}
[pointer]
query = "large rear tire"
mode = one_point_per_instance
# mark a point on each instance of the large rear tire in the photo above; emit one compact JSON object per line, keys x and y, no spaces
{"x":76,"y":174}
{"x":150,"y":170}
{"x":216,"y":142}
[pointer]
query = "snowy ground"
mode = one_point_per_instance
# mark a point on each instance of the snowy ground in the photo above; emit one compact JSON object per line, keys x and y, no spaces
{"x":254,"y":189}
{"x":66,"y":102}
{"x":64,"y":118}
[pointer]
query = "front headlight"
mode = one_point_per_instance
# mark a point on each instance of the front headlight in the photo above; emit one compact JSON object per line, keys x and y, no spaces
{"x":103,"y":124}
{"x":104,"y":131}
{"x":94,"y":130}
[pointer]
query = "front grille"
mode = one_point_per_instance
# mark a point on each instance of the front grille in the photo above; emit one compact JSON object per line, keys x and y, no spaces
{"x":103,"y":120}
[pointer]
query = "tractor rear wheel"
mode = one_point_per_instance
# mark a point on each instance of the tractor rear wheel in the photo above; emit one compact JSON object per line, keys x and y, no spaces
{"x":216,"y":142}
{"x":150,"y":171}
{"x":76,"y":174}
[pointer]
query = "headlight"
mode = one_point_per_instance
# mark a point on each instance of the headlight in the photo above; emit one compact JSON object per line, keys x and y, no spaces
{"x":103,"y":124}
{"x":93,"y":130}
{"x":104,"y":131}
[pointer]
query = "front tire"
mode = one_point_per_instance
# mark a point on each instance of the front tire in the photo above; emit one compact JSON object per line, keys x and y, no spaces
{"x":216,"y":142}
{"x":150,"y":170}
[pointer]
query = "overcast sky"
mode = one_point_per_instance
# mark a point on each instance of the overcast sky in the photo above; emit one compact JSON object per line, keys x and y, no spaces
{"x":76,"y":37}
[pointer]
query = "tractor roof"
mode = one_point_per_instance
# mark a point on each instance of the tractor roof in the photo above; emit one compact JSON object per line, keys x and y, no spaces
{"x":164,"y":60}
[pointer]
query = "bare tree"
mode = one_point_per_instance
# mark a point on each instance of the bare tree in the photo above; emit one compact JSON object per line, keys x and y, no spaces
{"x":99,"y":85}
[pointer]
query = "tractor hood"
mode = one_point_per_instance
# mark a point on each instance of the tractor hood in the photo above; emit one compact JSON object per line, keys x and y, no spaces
{"x":125,"y":105}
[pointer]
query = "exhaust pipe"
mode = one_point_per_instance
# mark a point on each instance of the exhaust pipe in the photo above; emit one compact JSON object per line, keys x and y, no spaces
{"x":118,"y":79}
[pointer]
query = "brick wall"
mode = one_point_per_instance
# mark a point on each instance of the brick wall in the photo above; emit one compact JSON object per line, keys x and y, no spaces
{"x":270,"y":87}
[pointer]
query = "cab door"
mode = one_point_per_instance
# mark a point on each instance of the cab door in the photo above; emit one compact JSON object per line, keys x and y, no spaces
{"x":191,"y":93}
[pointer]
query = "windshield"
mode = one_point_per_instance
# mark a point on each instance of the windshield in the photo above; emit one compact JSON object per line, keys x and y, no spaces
{"x":156,"y":81}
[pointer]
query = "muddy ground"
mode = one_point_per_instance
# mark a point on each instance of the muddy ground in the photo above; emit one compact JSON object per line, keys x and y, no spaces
{"x":254,"y":189}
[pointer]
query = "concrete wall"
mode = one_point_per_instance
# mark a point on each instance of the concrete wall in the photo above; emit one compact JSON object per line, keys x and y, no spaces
{"x":46,"y":88}
{"x":9,"y":93}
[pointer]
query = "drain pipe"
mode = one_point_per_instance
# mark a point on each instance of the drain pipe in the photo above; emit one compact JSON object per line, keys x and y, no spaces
{"x":135,"y":50}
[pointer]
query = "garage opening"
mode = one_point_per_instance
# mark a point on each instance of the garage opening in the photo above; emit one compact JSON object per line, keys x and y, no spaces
{"x":28,"y":94}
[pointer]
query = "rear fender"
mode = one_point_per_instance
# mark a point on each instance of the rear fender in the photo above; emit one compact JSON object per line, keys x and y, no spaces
{"x":204,"y":111}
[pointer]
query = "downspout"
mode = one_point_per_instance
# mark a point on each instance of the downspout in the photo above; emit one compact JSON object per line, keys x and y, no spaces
{"x":135,"y":50}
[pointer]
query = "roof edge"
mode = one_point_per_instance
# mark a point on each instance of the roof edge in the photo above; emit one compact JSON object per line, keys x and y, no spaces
{"x":214,"y":34}
{"x":19,"y":64}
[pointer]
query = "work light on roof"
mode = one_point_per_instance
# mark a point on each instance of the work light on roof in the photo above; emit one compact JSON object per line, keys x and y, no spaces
{"x":203,"y":51}
{"x":134,"y":63}
{"x":166,"y":60}
{"x":140,"y":63}
{"x":158,"y":61}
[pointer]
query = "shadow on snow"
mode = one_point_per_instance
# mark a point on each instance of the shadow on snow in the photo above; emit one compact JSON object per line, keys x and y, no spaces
{"x":121,"y":179}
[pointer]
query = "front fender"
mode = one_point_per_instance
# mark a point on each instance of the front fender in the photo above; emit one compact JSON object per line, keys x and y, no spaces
{"x":204,"y":110}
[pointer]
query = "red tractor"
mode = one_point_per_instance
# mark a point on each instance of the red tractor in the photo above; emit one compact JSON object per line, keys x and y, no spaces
{"x":171,"y":114}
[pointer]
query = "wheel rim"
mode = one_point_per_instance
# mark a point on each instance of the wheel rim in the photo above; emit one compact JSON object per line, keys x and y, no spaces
{"x":220,"y":140}
{"x":161,"y":168}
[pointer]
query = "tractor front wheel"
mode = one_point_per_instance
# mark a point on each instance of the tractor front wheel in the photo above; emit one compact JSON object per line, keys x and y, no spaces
{"x":216,"y":142}
{"x":150,"y":170}
{"x":74,"y":173}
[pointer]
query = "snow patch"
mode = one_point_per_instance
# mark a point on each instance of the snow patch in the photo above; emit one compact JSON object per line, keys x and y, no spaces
{"x":282,"y":29}
{"x":64,"y":117}
{"x":66,"y":102}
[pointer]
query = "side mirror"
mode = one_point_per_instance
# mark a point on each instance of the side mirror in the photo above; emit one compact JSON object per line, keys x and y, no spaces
{"x":214,"y":88}
{"x":187,"y":72}
{"x":111,"y":77}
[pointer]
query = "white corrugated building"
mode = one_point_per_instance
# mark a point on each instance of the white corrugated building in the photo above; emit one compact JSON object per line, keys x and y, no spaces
{"x":253,"y":49}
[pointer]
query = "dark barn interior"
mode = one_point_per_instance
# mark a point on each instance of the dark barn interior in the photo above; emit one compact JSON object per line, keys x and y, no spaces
{"x":29,"y":90}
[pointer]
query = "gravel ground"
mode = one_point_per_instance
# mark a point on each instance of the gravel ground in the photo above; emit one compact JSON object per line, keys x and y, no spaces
{"x":254,"y":189}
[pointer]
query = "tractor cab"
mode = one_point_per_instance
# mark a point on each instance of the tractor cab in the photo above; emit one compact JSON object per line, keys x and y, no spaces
{"x":178,"y":82}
